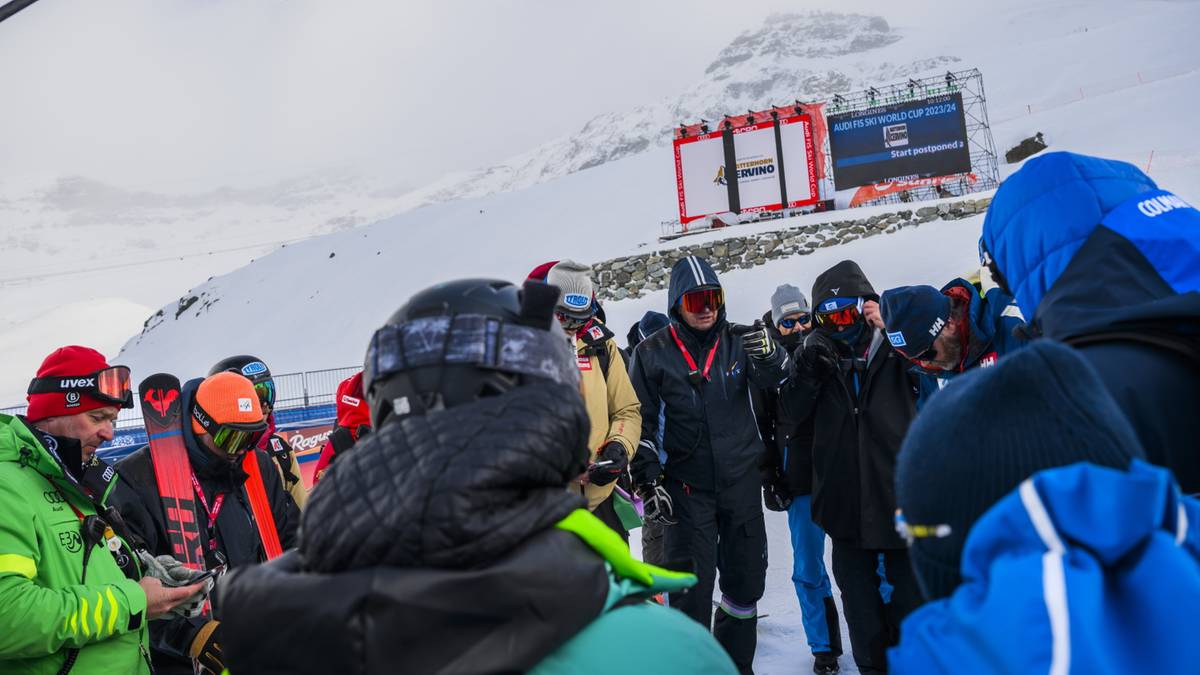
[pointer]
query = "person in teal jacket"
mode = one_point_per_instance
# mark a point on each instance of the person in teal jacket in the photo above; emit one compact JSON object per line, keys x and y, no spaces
{"x":447,"y":542}
{"x":1042,"y":541}
{"x":71,"y":594}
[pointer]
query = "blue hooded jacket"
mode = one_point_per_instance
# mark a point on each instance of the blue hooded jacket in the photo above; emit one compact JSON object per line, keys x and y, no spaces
{"x":1082,"y":569}
{"x":1099,"y":257}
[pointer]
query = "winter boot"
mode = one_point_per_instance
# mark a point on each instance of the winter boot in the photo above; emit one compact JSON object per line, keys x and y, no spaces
{"x":825,"y":662}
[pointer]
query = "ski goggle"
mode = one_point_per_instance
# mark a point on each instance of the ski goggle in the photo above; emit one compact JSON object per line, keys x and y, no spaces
{"x":233,"y":439}
{"x":924,"y":359}
{"x":791,"y":322}
{"x":844,"y":316}
{"x":266,"y":392}
{"x":697,"y":301}
{"x":110,"y":385}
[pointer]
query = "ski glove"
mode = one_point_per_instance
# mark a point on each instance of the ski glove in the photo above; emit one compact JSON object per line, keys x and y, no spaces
{"x":657,"y":504}
{"x":758,"y":344}
{"x":775,"y":494}
{"x":173,"y":573}
{"x":817,"y":358}
{"x":611,"y":462}
{"x":205,"y":651}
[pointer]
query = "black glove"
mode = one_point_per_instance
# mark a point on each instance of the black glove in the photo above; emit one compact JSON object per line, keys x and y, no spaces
{"x":611,"y":462}
{"x":658,"y":507}
{"x":817,"y":357}
{"x":206,"y":649}
{"x":775,"y":493}
{"x":758,"y":344}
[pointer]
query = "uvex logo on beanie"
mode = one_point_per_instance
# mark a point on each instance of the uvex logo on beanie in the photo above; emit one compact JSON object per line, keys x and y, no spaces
{"x":72,"y":362}
{"x":225,"y":398}
{"x":976,"y":441}
{"x":914,"y":315}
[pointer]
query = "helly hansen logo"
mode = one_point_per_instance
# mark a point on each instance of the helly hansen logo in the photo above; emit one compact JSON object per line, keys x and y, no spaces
{"x":77,"y":383}
{"x":937,"y":326}
{"x":1156,"y":206}
{"x":988,"y":360}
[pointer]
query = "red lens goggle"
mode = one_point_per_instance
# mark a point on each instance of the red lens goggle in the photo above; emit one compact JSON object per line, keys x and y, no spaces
{"x":110,"y":385}
{"x":845,"y":316}
{"x":695,"y":302}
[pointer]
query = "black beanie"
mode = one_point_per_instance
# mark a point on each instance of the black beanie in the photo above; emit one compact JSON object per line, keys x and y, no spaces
{"x":976,"y":441}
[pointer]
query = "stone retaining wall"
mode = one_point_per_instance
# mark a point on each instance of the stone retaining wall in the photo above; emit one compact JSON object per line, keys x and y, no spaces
{"x":634,"y":276}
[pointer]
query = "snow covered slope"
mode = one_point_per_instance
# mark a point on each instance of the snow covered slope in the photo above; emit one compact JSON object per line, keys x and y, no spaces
{"x":602,"y":192}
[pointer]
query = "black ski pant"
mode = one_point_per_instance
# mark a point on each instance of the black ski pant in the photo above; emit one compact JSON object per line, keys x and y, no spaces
{"x":652,"y":544}
{"x":873,"y":625}
{"x":722,"y":531}
{"x":607,"y":514}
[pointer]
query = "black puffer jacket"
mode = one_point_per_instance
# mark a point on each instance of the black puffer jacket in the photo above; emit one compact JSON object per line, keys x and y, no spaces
{"x":706,"y":430}
{"x":431,"y":549}
{"x":860,"y":416}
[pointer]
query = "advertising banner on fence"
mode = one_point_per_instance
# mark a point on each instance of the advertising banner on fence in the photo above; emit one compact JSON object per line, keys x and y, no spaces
{"x":869,"y":193}
{"x":306,"y":441}
{"x":800,"y":160}
{"x":915,"y":139}
{"x":703,"y":183}
{"x":700,"y":176}
{"x":757,"y":167}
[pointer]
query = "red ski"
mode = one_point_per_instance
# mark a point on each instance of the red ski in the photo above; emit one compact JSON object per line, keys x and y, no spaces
{"x":161,"y":413}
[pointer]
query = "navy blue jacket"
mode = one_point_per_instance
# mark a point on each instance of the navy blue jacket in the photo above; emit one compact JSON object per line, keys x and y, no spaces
{"x":992,"y":318}
{"x":1102,"y":259}
{"x":703,"y":435}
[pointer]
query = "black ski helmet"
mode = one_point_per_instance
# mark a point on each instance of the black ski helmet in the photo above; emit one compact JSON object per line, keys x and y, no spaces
{"x":249,"y":367}
{"x":463,"y":340}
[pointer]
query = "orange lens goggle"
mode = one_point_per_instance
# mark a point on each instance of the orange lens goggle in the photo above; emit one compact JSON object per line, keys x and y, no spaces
{"x":845,"y":316}
{"x":110,"y":385}
{"x":705,"y":298}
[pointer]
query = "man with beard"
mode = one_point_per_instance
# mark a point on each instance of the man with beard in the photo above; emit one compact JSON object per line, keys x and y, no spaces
{"x":787,"y":485}
{"x":861,"y":397}
{"x":950,"y":331}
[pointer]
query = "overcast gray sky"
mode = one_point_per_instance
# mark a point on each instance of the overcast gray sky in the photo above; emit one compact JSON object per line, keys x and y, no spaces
{"x":185,"y":95}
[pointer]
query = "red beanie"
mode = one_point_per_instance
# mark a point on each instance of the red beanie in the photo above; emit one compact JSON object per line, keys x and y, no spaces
{"x":352,"y":409}
{"x":66,"y":361}
{"x":539,"y":273}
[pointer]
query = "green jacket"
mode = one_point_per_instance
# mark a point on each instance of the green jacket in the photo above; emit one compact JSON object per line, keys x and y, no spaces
{"x":44,"y":609}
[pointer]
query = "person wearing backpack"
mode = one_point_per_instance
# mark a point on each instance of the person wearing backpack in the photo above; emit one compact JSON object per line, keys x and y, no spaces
{"x":1099,"y":257}
{"x":613,"y":407}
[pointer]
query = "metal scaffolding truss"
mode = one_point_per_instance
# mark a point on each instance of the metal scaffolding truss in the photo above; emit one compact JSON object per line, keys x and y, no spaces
{"x":969,"y":83}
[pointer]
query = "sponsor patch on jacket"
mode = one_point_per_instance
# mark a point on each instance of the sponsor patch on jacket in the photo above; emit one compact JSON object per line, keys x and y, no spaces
{"x":897,"y":339}
{"x":585,"y":362}
{"x":254,"y":368}
{"x":351,"y":401}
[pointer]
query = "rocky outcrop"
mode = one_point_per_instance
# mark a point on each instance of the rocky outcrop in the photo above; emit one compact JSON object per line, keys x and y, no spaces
{"x":634,"y":276}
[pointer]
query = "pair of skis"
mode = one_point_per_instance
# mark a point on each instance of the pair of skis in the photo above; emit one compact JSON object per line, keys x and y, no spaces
{"x":162,"y":414}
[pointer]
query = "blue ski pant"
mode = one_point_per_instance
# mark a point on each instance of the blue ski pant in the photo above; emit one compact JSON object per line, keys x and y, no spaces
{"x":808,"y":572}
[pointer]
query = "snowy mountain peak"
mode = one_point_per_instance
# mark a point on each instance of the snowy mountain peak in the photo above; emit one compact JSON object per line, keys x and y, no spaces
{"x":809,"y":36}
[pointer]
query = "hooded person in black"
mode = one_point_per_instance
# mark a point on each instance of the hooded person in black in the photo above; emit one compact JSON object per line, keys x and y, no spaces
{"x":697,"y":461}
{"x":861,"y":396}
